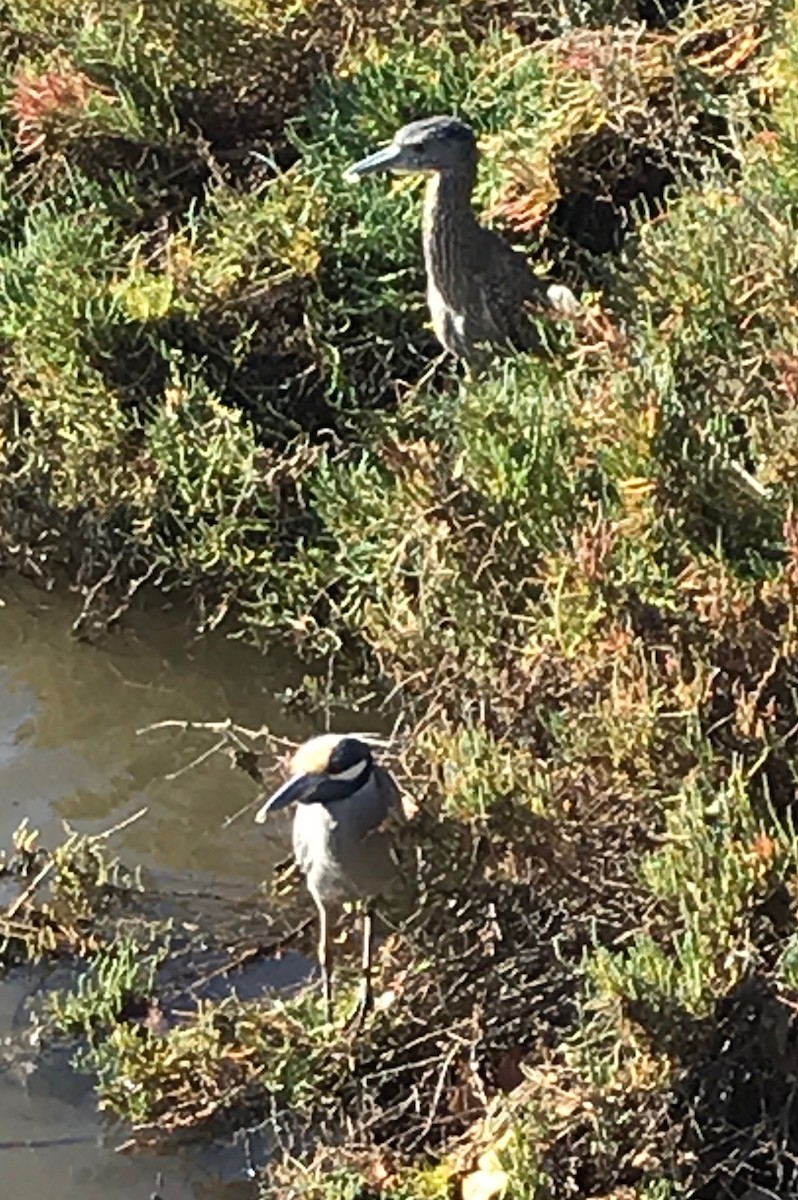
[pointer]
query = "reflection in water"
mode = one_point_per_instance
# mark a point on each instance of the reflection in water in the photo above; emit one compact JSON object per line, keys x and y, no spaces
{"x":69,"y":713}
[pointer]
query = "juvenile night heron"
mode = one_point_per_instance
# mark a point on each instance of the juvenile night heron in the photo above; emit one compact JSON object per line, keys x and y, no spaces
{"x":344,"y":800}
{"x":478,"y":288}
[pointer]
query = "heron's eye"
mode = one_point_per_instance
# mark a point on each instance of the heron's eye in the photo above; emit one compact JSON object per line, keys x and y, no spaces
{"x":349,"y":759}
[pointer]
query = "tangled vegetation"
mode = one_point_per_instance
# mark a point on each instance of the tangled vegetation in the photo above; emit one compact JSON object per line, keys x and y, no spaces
{"x":577,"y":576}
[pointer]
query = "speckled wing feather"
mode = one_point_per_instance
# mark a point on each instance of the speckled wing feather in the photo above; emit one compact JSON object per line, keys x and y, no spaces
{"x":509,"y":291}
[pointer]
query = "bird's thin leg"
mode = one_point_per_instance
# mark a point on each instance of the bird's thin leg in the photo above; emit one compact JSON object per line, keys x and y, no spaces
{"x":366,"y":999}
{"x":325,"y":961}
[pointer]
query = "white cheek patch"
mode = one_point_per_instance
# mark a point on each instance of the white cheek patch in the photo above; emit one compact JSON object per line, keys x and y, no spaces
{"x":352,"y":772}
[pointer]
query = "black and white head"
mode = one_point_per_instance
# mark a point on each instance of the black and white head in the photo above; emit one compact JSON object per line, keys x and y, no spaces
{"x":326,"y":768}
{"x":436,"y":144}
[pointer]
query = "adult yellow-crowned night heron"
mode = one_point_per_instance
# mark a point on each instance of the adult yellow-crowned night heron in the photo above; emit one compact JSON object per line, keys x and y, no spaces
{"x":344,"y":800}
{"x":479,"y":289}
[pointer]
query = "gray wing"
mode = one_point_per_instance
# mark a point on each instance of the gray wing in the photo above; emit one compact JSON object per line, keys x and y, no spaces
{"x":366,"y":840}
{"x":509,"y":289}
{"x":388,"y":790}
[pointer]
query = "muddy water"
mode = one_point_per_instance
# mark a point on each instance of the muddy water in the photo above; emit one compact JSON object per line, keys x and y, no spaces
{"x":69,"y":750}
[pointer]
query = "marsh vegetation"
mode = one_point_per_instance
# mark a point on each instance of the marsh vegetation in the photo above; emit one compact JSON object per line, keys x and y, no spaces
{"x":575,"y":577}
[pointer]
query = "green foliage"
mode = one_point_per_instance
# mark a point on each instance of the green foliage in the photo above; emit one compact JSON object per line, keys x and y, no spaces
{"x":119,"y":975}
{"x":66,"y":897}
{"x":476,"y":772}
{"x":711,"y":874}
{"x":579,"y":570}
{"x":87,"y":877}
{"x":226,"y":1056}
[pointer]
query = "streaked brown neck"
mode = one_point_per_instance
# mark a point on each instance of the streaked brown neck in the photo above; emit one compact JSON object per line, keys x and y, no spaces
{"x":448,"y":224}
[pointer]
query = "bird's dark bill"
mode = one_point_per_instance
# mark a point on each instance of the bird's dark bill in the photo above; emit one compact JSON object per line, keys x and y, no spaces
{"x":390,"y":158}
{"x":298,"y":787}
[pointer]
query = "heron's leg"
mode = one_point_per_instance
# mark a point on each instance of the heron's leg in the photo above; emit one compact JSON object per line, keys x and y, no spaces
{"x":366,"y":999}
{"x":325,"y":959}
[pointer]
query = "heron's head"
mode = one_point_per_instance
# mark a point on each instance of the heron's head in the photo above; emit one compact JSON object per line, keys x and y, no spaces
{"x":329,"y":767}
{"x":436,"y":144}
